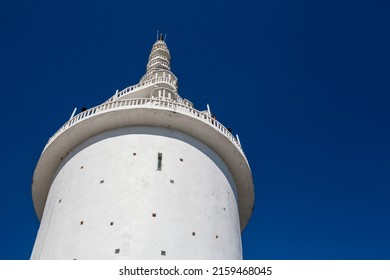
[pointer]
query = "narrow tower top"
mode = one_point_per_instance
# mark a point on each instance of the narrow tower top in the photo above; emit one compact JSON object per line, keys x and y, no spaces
{"x":159,"y":60}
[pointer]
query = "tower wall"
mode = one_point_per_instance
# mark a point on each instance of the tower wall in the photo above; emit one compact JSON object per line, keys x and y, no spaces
{"x":109,"y":200}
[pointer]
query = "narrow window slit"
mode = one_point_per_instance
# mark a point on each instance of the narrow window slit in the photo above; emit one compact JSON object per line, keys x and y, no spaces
{"x":159,"y":161}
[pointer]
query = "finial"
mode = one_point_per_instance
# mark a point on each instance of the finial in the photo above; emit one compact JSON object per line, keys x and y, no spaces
{"x":161,"y":37}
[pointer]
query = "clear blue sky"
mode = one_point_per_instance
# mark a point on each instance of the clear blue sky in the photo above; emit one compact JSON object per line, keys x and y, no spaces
{"x":304,"y":83}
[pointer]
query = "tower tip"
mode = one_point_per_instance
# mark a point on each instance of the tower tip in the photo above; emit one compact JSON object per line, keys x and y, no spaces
{"x":161,"y":38}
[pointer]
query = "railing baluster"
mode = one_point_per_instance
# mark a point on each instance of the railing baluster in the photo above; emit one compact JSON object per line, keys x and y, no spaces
{"x":107,"y":106}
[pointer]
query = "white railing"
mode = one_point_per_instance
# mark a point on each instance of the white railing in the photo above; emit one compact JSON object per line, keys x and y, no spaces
{"x":138,"y":86}
{"x":163,"y":57}
{"x":147,"y":103}
{"x":160,"y":47}
{"x":153,"y":62}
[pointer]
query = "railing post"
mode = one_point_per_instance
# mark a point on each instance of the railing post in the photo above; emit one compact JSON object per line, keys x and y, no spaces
{"x":74,"y":111}
{"x":238,"y":140}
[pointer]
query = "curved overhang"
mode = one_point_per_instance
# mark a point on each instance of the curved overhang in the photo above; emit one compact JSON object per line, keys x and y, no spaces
{"x":198,"y":126}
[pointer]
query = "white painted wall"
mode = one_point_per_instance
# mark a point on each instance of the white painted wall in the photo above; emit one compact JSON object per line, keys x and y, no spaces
{"x":201,"y":200}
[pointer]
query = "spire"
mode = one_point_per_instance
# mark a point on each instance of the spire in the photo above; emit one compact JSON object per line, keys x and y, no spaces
{"x":159,"y":59}
{"x":158,"y":81}
{"x":160,"y":37}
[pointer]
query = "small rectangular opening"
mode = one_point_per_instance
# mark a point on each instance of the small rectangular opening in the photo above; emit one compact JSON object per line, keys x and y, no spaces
{"x":163,"y":253}
{"x":154,"y":215}
{"x":159,"y":161}
{"x":112,"y":223}
{"x":172,"y":181}
{"x":117,"y":251}
{"x":101,"y":181}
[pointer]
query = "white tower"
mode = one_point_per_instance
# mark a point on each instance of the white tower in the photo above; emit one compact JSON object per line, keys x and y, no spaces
{"x":142,"y":176}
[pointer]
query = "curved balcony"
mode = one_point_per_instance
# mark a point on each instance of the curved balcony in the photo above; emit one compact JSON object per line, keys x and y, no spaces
{"x":148,"y":102}
{"x":141,"y":85}
{"x":160,"y":46}
{"x":163,"y":57}
{"x":145,"y":112}
{"x":154,"y":62}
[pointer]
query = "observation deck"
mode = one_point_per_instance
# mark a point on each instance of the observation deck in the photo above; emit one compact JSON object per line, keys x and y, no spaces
{"x":145,"y":112}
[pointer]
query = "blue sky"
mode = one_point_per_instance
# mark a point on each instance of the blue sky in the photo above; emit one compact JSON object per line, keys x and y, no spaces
{"x":304,"y":83}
